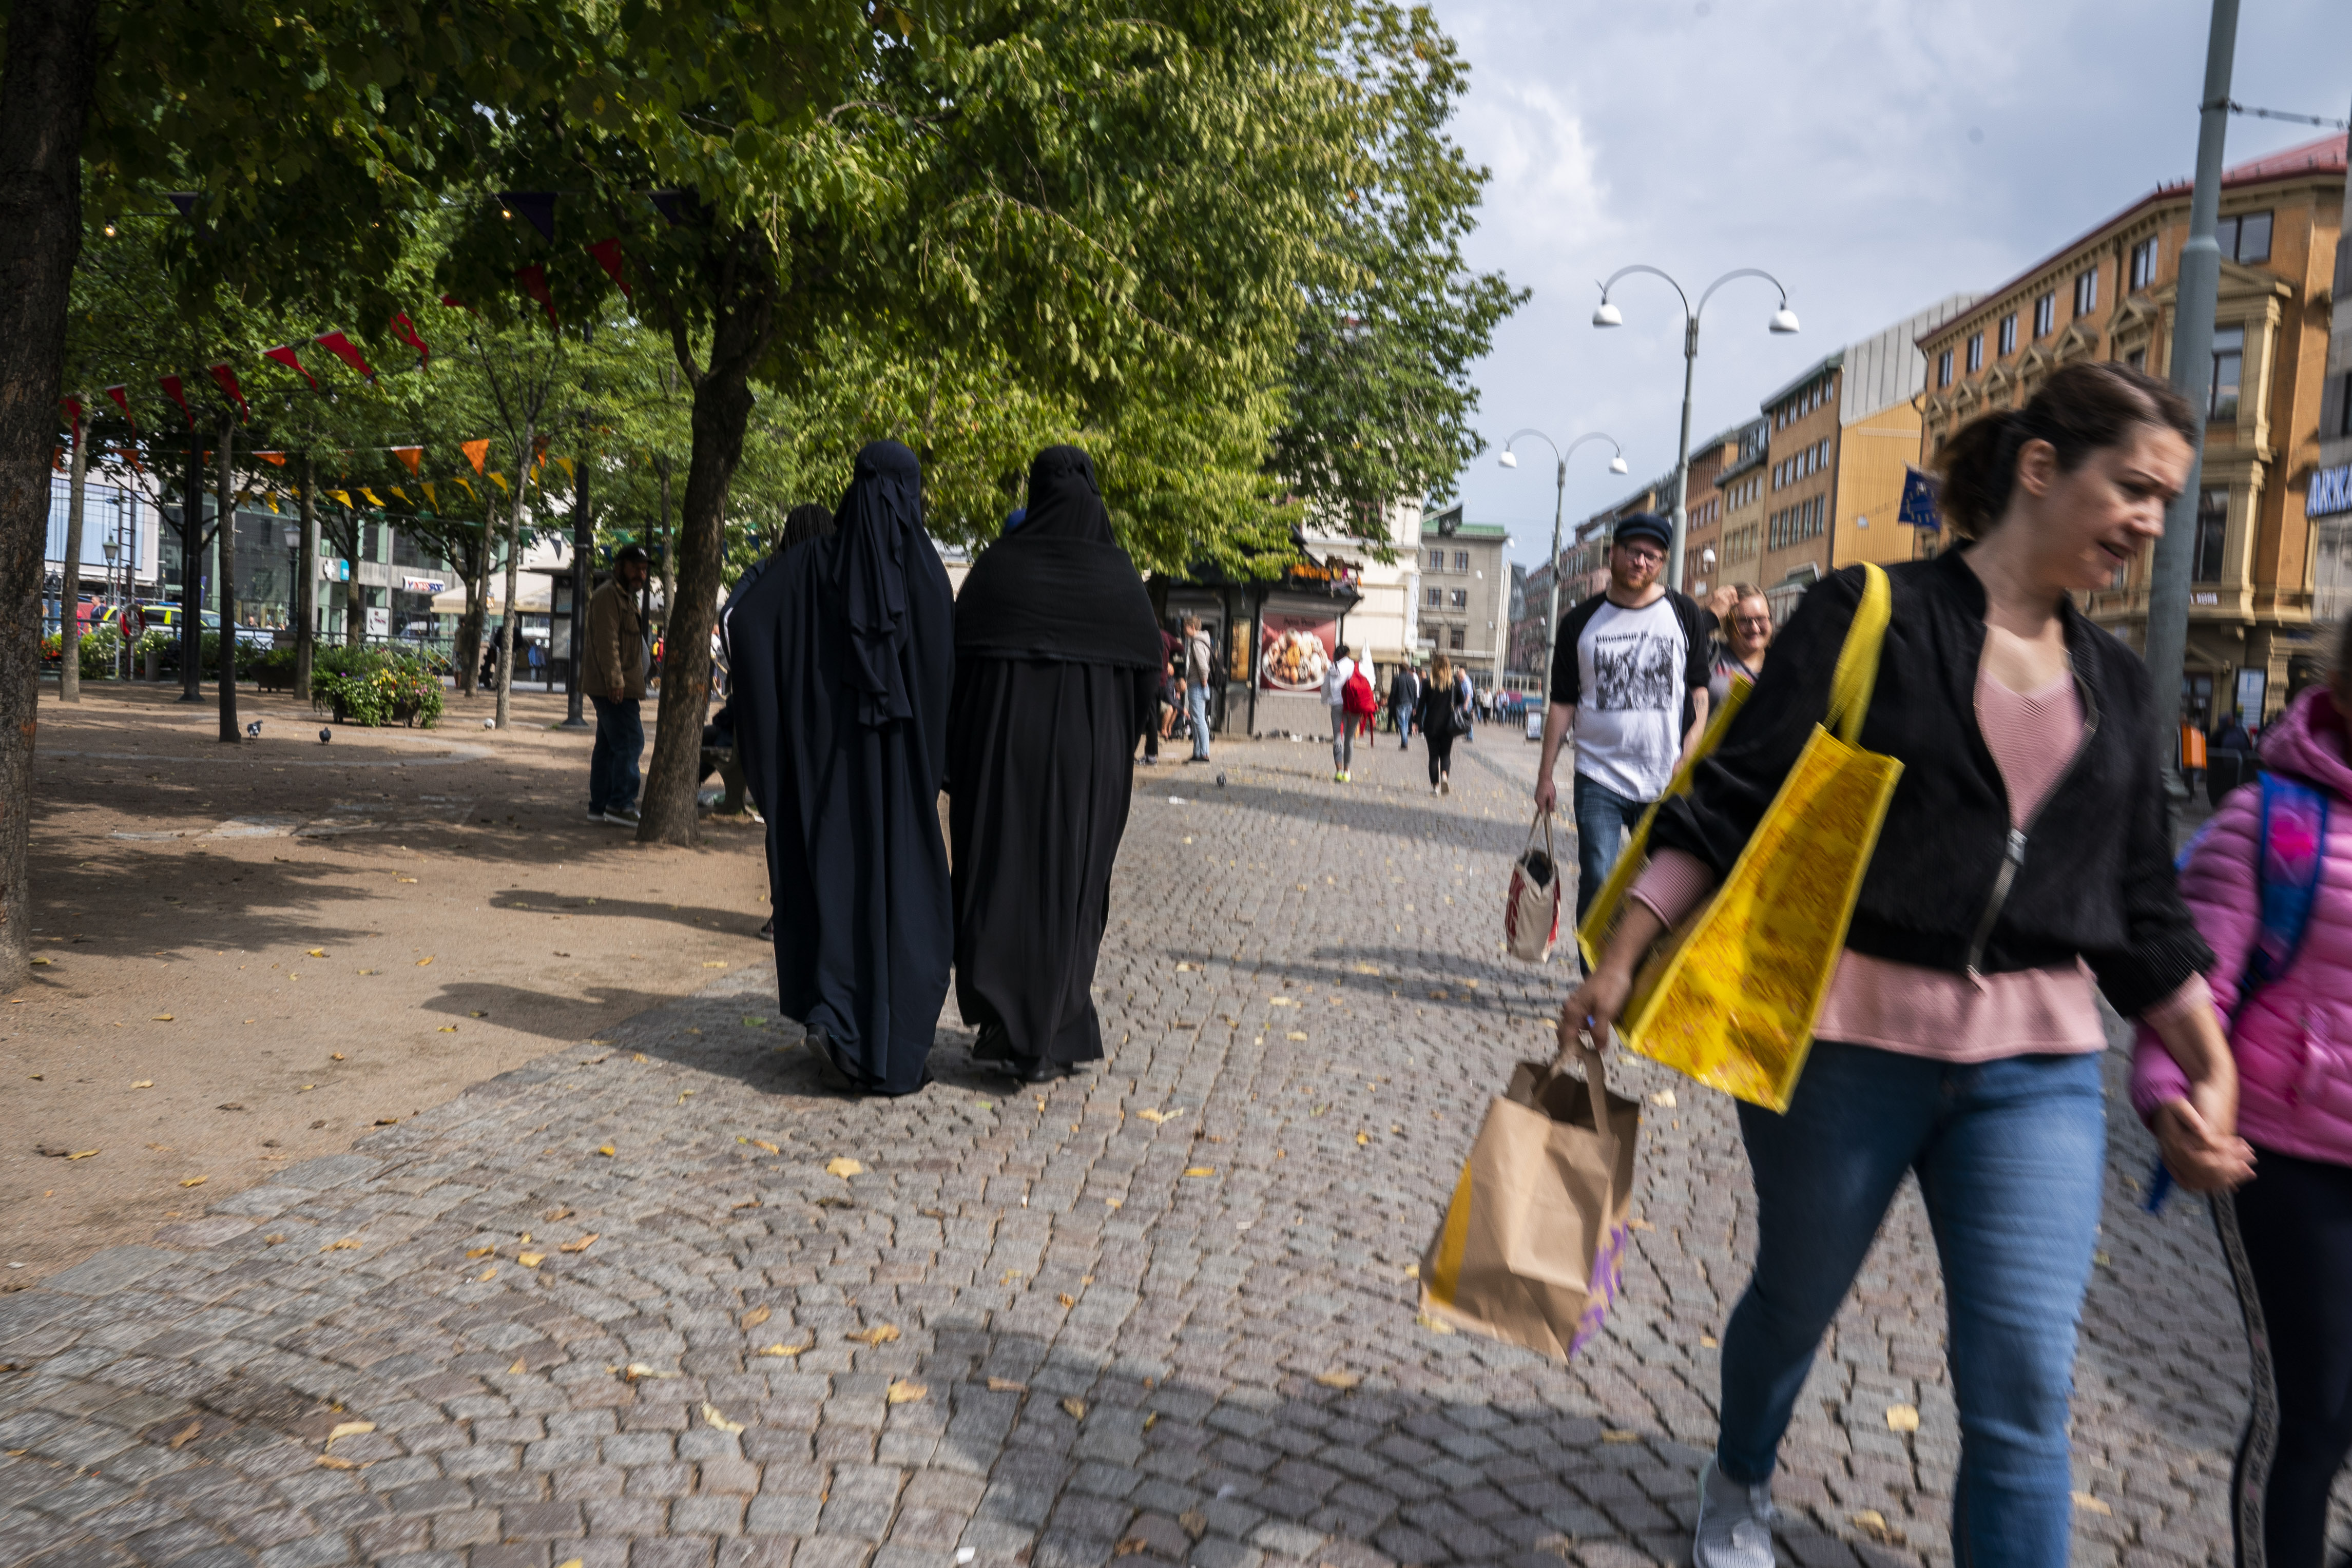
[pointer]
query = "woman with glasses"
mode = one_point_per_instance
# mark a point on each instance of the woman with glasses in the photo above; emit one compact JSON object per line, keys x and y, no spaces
{"x":1747,"y":633}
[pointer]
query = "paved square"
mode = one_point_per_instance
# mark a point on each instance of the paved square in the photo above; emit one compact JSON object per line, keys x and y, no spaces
{"x":656,"y":1298}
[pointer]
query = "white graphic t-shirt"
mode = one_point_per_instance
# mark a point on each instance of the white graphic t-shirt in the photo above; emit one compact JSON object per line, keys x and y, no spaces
{"x":1633,"y":669}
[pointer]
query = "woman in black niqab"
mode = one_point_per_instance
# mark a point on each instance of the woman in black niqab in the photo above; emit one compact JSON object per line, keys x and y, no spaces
{"x":845,"y":657}
{"x":1057,"y":670}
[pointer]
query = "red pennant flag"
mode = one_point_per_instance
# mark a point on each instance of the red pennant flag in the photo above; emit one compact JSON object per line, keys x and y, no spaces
{"x":533,"y":279}
{"x":344,"y":349}
{"x":405,"y":330}
{"x":455,"y":303}
{"x":227,"y":379}
{"x":410,"y":456}
{"x":285,"y":356}
{"x":178,"y":393}
{"x":608,"y":253}
{"x":73,"y":407}
{"x":278,"y":458}
{"x":121,"y":396}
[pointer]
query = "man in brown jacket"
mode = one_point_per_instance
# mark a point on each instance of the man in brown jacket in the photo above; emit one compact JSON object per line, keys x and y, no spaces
{"x":613,"y":674}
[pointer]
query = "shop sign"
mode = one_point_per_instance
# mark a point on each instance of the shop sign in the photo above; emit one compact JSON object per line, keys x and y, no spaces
{"x":2331,"y":492}
{"x":1295,"y":650}
{"x":422,"y":585}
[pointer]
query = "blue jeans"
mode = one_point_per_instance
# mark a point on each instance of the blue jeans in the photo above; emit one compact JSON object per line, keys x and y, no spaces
{"x":2009,"y":1154}
{"x":613,"y":776}
{"x":1603,"y":818}
{"x":1196,"y":702}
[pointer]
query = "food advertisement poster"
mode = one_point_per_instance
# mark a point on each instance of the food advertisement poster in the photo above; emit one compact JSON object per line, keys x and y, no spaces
{"x":1294,"y":651}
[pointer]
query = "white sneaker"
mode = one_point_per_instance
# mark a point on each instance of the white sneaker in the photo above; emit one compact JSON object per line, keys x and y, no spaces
{"x":1734,"y":1523}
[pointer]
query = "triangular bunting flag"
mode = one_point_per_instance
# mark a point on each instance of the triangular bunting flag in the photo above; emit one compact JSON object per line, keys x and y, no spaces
{"x":272,"y":499}
{"x":670,"y":204}
{"x":374,"y":499}
{"x":469,"y":485}
{"x":409,"y":454}
{"x":285,"y":356}
{"x":454,"y":303}
{"x":538,"y":207}
{"x":73,"y":407}
{"x":501,"y":481}
{"x":533,"y":279}
{"x":608,"y":253}
{"x":184,"y":200}
{"x":430,"y":498}
{"x":565,"y":463}
{"x":177,"y":392}
{"x":276,"y":458}
{"x":403,"y":495}
{"x":405,"y":330}
{"x":342,"y":496}
{"x":121,"y":396}
{"x":344,"y":349}
{"x":475,"y":452}
{"x":227,"y":379}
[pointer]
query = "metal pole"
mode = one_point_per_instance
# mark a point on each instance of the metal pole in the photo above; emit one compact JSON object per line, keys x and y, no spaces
{"x":2192,"y":373}
{"x":1551,"y":625}
{"x":306,"y":584}
{"x":191,"y":569}
{"x":224,"y":536}
{"x":584,"y":545}
{"x":1682,"y":454}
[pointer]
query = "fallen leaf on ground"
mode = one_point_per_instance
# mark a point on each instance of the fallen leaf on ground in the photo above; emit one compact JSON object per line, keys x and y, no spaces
{"x":186,"y":1435}
{"x":1616,"y":1435}
{"x":711,"y":1414}
{"x":569,"y":1562}
{"x":714,"y":963}
{"x":1412,"y":1270}
{"x":881,"y":1334}
{"x":1339,"y":1380}
{"x":842,"y":1166}
{"x":582,"y":1245}
{"x":315,"y":951}
{"x":428,"y":958}
{"x":761,"y":1144}
{"x":1130,"y":1547}
{"x":349,"y":1429}
{"x":1434,"y":1325}
{"x":1367,"y":968}
{"x":1006,"y":1385}
{"x":1075,"y":1407}
{"x":272,"y":1240}
{"x":161,"y":1018}
{"x":2090,"y":1504}
{"x":335,"y":1462}
{"x":904,"y":1393}
{"x":347,"y":1244}
{"x":194,"y":1181}
{"x":606,"y":1150}
{"x":1873,"y":1523}
{"x":1195,"y":1523}
{"x":638,"y":1369}
{"x":518,"y":1366}
{"x":1157,"y":1115}
{"x":481,"y":1252}
{"x":144,"y":1083}
{"x":334,"y":1056}
{"x":530,"y":1259}
{"x":1363,"y":1138}
{"x":753,"y":1020}
{"x":780,"y":1348}
{"x":1639,"y":1225}
{"x":1710,"y":1342}
{"x":1068,"y":1300}
{"x":448,"y":1029}
{"x":1902,"y":1418}
{"x":81,"y":1154}
{"x":757,"y":1316}
{"x":1281,"y":1001}
{"x":44,"y":960}
{"x":1298,"y":1034}
{"x":1200,"y":1170}
{"x":487,"y":1275}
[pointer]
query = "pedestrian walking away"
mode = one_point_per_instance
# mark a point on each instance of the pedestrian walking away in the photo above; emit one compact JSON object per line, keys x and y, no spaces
{"x":2026,"y":854}
{"x":1198,"y":658}
{"x":1404,"y":696}
{"x":1168,"y":695}
{"x":1740,"y":655}
{"x":1629,"y":679}
{"x":2287,"y":1233}
{"x":1441,"y":722}
{"x":613,"y":678}
{"x":803,"y":523}
{"x":844,"y":658}
{"x":1057,"y":675}
{"x":1342,"y":670}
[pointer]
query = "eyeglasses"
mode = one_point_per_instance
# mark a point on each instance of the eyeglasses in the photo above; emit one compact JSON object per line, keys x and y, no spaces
{"x":1753,"y":623}
{"x":1642,"y":557}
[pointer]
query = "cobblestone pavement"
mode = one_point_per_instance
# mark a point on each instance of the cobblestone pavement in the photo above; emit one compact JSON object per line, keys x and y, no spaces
{"x":629,"y":1304}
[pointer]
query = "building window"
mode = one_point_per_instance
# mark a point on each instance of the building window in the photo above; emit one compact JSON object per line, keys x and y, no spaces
{"x":1976,"y":352}
{"x":2137,"y":358}
{"x":1459,"y":598}
{"x":2344,"y":406}
{"x":1437,"y":560}
{"x":1944,"y":369}
{"x":2246,"y":237}
{"x":2008,"y":333}
{"x":2143,"y":264}
{"x":1453,"y":638}
{"x":2212,"y":532}
{"x":2228,"y":366}
{"x":1436,"y":597}
{"x":2046,"y":314}
{"x":2086,"y":292}
{"x":1462,"y":560}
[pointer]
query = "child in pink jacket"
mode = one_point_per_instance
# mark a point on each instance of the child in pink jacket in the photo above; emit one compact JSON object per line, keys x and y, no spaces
{"x":2287,"y":1233}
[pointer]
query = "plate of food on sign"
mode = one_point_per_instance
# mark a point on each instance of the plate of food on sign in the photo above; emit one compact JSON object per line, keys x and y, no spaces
{"x":1296,"y":661}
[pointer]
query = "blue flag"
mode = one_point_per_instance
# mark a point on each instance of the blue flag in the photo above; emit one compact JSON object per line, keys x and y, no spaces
{"x":1919,"y":509}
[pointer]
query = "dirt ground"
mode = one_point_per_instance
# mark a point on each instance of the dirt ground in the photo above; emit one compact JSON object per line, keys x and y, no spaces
{"x":253,"y":953}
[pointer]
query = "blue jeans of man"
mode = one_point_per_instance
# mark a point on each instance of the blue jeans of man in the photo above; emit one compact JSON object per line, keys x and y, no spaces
{"x":1196,"y":702}
{"x":2010,"y":1155}
{"x":613,"y":776}
{"x":1603,"y":818}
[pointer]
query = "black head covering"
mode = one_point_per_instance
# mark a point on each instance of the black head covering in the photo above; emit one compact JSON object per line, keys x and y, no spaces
{"x":877,"y":527}
{"x":804,"y":522}
{"x":1060,"y":586}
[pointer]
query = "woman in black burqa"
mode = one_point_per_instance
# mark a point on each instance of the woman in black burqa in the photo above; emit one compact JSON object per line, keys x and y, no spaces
{"x":1057,"y":674}
{"x":843,"y":652}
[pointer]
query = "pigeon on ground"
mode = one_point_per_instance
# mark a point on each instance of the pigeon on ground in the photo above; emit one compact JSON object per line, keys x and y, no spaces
{"x":325,"y":735}
{"x":1220,"y":780}
{"x":253,"y":730}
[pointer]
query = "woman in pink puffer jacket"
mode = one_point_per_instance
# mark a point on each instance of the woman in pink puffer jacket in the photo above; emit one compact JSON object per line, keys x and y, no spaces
{"x":2288,"y":1232}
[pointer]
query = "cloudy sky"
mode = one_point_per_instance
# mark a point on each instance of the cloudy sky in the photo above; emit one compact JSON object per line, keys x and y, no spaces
{"x":1874,"y":155}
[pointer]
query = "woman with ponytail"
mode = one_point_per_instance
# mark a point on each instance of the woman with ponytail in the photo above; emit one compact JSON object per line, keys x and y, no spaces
{"x":2026,"y":859}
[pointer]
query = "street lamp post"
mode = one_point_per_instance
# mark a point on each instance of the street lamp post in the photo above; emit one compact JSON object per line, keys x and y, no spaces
{"x":1559,"y":496}
{"x":1607,"y":315}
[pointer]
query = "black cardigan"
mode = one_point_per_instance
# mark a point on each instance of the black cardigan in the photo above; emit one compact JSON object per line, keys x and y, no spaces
{"x":2095,"y":875}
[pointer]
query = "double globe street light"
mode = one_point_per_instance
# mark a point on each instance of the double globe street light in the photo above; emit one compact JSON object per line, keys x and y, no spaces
{"x":1559,"y":492}
{"x":1784,"y":320}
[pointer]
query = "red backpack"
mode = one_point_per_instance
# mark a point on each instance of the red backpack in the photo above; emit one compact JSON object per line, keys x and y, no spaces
{"x":1356,"y":697}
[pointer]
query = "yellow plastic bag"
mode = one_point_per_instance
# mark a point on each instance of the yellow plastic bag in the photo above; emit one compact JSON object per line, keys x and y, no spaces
{"x":1731,"y":996}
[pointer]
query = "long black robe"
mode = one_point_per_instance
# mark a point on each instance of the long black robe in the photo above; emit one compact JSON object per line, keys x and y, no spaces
{"x":1058,"y":656}
{"x":845,"y":659}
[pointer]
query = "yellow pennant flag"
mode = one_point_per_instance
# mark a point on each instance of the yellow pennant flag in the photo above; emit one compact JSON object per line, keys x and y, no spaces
{"x":430,"y":498}
{"x":404,"y":495}
{"x":374,"y":499}
{"x":469,"y":486}
{"x":272,"y":499}
{"x":567,"y":467}
{"x":342,"y":496}
{"x":501,"y":481}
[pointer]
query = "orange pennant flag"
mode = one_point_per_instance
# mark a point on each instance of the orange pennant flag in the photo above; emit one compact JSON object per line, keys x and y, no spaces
{"x":410,"y":456}
{"x":475,"y":452}
{"x":277,"y":457}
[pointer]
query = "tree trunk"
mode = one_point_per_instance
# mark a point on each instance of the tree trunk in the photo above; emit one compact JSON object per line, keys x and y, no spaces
{"x":192,"y":571}
{"x":469,"y":628}
{"x":514,"y":564}
{"x":69,"y":578}
{"x":305,"y":586}
{"x":354,"y":600}
{"x":745,"y":297}
{"x":669,"y":549}
{"x":225,"y":540}
{"x":45,"y":89}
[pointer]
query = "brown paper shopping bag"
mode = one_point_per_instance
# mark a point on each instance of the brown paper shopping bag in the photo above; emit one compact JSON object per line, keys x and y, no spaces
{"x":1530,"y":1248}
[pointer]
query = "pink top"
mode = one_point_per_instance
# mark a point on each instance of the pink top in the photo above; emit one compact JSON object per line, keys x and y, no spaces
{"x":1928,"y":1012}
